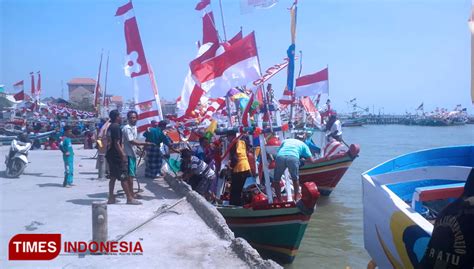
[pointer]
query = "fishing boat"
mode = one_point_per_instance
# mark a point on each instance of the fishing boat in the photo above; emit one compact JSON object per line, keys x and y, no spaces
{"x":6,"y":140}
{"x":402,"y":198}
{"x":275,"y":230}
{"x":328,"y":171}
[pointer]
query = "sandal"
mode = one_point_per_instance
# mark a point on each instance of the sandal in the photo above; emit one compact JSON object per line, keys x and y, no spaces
{"x":134,"y":202}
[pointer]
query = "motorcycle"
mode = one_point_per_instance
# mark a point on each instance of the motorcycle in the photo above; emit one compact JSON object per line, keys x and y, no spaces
{"x":17,"y":158}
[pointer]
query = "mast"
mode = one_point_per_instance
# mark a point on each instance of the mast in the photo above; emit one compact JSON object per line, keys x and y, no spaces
{"x":291,"y":61}
{"x":471,"y":28}
{"x":222,"y":18}
{"x":106,"y":75}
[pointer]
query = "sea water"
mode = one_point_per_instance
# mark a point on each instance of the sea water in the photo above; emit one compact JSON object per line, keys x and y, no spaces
{"x":334,"y":237}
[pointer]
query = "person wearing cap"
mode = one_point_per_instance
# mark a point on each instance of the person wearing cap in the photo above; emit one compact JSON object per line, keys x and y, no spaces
{"x":452,"y":241}
{"x":156,"y":136}
{"x":288,"y":157}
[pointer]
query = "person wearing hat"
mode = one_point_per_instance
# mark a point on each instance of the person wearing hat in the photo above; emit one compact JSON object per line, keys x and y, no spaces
{"x":154,"y":160}
{"x":452,"y":241}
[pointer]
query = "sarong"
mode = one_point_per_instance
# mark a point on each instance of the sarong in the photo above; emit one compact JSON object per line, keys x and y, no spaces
{"x":154,"y":161}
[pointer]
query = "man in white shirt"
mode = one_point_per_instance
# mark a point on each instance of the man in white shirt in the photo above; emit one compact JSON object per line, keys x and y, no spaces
{"x":130,"y":143}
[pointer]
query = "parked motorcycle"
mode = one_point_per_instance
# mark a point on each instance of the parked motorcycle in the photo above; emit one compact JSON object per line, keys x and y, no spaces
{"x":17,"y":159}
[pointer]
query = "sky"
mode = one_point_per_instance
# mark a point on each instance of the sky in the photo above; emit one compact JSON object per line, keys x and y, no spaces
{"x":391,"y":55}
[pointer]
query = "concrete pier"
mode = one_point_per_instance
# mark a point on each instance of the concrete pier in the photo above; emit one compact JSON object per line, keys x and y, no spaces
{"x":179,"y":238}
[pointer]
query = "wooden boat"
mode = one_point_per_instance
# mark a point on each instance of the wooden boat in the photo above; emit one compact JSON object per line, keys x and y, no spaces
{"x":327,"y":172}
{"x":402,"y":198}
{"x":274,"y":230}
{"x":6,"y":140}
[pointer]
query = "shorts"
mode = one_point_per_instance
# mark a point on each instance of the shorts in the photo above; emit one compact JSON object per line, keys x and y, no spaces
{"x":283,"y":162}
{"x":132,"y":166}
{"x":116,"y":168}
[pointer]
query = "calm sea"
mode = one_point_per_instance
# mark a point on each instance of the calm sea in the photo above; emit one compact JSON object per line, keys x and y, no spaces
{"x":334,"y":237}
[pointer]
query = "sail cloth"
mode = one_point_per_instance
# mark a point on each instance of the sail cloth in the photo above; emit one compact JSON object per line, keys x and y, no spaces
{"x":136,"y":67}
{"x":236,"y":66}
{"x":313,"y":84}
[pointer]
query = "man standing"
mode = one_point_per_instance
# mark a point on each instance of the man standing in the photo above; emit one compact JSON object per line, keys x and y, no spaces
{"x":68,"y":157}
{"x":288,"y":156}
{"x":116,"y":159}
{"x":130,"y":144}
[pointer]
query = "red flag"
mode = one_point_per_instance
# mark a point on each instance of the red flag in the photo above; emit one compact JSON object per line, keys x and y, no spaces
{"x":209,"y":32}
{"x":38,"y":87}
{"x":202,"y":4}
{"x":19,"y":86}
{"x":32,"y":83}
{"x":236,"y":38}
{"x":19,"y":96}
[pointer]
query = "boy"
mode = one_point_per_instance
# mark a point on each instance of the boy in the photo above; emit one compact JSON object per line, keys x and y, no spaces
{"x":68,"y":157}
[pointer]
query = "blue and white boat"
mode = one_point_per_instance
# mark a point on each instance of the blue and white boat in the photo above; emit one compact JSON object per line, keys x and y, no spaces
{"x":402,"y":198}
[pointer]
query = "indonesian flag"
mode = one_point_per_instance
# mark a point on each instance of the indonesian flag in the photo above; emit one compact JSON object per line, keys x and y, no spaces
{"x":312,"y":84}
{"x":287,"y":98}
{"x":19,"y":86}
{"x":137,"y":68}
{"x":236,"y":66}
{"x":191,"y":93}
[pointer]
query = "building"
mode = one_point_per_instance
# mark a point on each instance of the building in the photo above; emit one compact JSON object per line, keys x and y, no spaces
{"x":81,"y":90}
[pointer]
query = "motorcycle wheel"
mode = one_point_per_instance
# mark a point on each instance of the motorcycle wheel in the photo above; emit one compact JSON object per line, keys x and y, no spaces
{"x":16,"y":169}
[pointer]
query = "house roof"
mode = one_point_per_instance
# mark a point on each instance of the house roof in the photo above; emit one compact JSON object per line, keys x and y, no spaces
{"x":87,"y":81}
{"x":116,"y":99}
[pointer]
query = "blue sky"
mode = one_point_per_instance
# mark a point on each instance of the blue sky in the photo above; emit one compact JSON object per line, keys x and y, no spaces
{"x":392,"y":54}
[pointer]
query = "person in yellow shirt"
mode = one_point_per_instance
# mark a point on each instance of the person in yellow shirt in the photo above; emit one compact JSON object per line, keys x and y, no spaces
{"x":240,"y":167}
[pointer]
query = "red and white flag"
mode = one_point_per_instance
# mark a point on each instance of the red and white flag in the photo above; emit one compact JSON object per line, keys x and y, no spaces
{"x":287,"y":98}
{"x":312,"y":84}
{"x":191,"y":93}
{"x":311,"y":109}
{"x":19,"y":88}
{"x":215,"y":105}
{"x":236,"y":66}
{"x":137,"y":68}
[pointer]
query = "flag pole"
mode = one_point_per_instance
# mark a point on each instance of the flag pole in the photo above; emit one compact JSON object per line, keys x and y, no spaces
{"x":106,"y":76}
{"x":291,"y":55}
{"x":97,"y":86}
{"x":222,"y":18}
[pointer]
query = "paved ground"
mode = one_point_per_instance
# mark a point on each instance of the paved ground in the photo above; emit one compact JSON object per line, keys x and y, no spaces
{"x":37,"y":203}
